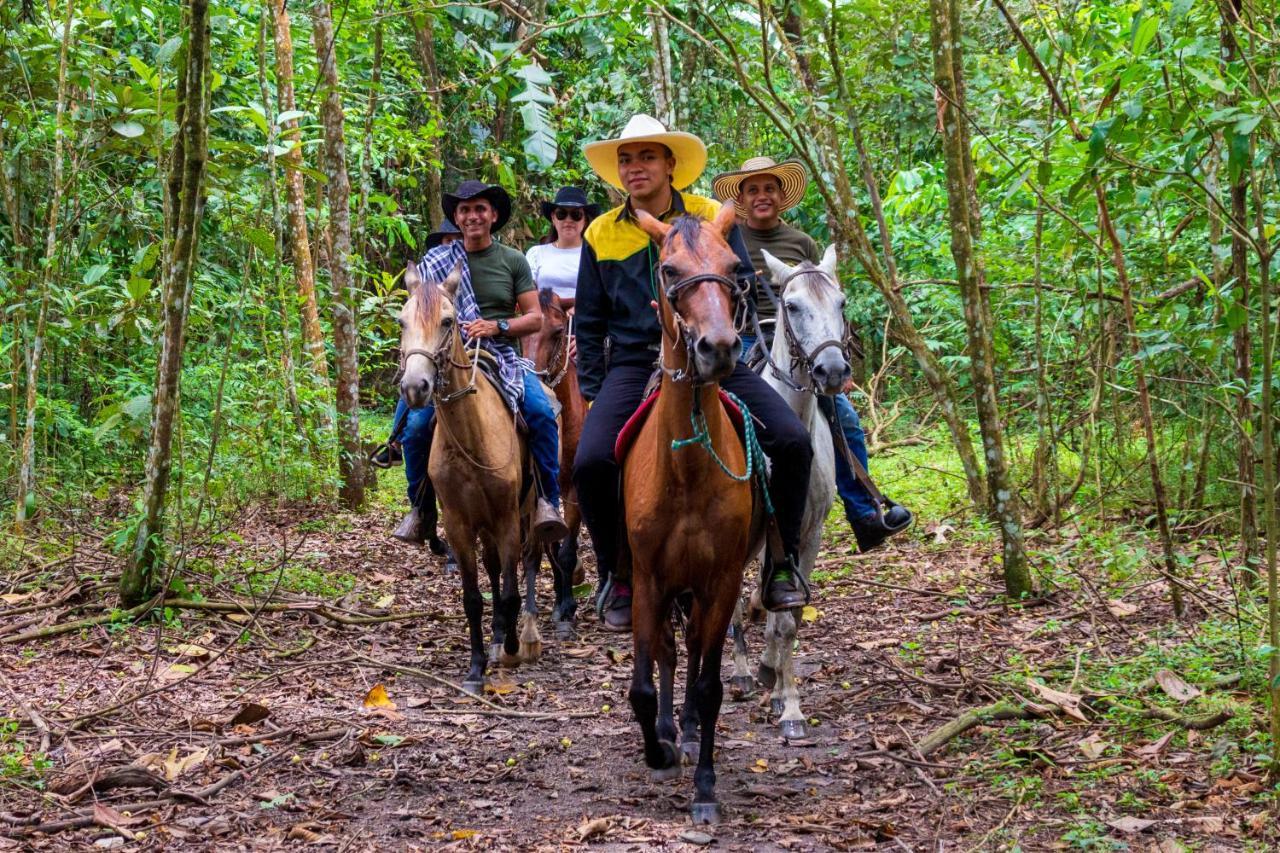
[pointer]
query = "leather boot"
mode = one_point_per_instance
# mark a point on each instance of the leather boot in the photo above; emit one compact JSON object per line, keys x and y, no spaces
{"x":411,"y":528}
{"x":874,"y":529}
{"x":547,"y":523}
{"x":783,"y":589}
{"x":617,"y":608}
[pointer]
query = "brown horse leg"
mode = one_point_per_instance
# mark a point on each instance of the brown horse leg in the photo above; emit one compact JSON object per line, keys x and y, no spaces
{"x":647,"y":622}
{"x":690,"y":718}
{"x":708,"y":695}
{"x":473,"y":604}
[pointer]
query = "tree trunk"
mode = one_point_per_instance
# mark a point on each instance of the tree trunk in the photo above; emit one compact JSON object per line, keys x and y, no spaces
{"x":296,"y":203}
{"x":664,"y":92}
{"x":27,"y":462}
{"x":1004,"y":504}
{"x":1144,"y":396}
{"x":351,"y":458}
{"x":21,"y":262}
{"x":424,"y":40}
{"x":1242,"y":344}
{"x":366,"y":144}
{"x":183,"y":226}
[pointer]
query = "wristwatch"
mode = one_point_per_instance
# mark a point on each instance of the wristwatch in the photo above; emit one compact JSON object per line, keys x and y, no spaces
{"x":503,"y":327}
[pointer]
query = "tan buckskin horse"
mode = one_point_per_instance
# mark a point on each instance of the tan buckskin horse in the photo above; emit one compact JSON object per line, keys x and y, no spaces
{"x":478,"y":465}
{"x":550,"y":350}
{"x":690,"y":528}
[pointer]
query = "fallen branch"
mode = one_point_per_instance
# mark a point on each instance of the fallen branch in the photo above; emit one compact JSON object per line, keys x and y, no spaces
{"x":1198,"y":722}
{"x":87,"y":622}
{"x":317,"y":607}
{"x":83,"y":820}
{"x":36,"y":720}
{"x":1002,"y":710}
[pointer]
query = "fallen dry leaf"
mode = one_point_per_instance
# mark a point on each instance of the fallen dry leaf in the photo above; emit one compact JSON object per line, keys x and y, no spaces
{"x":1175,"y":687}
{"x":809,"y":613}
{"x":175,"y":766}
{"x":377,"y":698}
{"x":104,"y":815}
{"x":188,"y":650}
{"x":1155,"y":748}
{"x":1068,"y":702}
{"x":592,"y":828}
{"x":1121,"y":609}
{"x":1130,"y":825}
{"x":249,"y":713}
{"x":1093,"y":746}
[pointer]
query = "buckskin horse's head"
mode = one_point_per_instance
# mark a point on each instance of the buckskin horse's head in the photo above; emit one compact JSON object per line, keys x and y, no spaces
{"x":426,"y":333}
{"x":698,"y":290}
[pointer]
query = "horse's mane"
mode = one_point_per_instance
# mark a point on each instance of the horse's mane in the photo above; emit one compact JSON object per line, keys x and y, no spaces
{"x":546,"y":298}
{"x":429,"y":298}
{"x":689,"y":228}
{"x":825,"y":288}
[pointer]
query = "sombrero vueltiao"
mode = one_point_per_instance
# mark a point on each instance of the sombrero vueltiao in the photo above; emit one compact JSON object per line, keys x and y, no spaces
{"x":791,"y":174}
{"x":690,"y":153}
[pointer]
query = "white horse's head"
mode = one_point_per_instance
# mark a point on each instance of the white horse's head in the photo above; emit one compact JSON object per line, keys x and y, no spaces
{"x":811,"y":325}
{"x":426,"y":332}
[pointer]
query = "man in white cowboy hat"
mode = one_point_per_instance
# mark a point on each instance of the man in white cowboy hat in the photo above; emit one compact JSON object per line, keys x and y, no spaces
{"x":619,"y":339}
{"x":762,"y":190}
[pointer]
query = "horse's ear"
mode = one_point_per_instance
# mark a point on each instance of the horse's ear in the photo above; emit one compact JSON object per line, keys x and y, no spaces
{"x":725,"y":219}
{"x":412,"y":278}
{"x":654,"y":227}
{"x":452,"y":280}
{"x":828,"y":264}
{"x":780,"y":271}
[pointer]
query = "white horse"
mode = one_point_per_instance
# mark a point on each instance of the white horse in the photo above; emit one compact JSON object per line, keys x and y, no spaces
{"x":806,"y":359}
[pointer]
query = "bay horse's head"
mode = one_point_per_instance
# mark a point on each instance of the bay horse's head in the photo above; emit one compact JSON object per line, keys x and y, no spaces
{"x":427,"y":332}
{"x":698,"y":290}
{"x":811,"y":321}
{"x":548,"y":348}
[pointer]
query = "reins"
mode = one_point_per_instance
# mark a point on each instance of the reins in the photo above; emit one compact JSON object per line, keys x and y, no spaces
{"x":545,"y":375}
{"x":799,"y":357}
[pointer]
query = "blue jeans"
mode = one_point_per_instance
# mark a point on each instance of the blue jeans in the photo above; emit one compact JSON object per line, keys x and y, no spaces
{"x":544,"y":442}
{"x":857,"y":499}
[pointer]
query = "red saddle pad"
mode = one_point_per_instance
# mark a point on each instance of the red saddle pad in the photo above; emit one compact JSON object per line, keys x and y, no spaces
{"x":627,"y":436}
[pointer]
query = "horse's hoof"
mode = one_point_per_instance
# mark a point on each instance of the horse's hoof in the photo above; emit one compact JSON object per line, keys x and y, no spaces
{"x":440,"y":548}
{"x":665,"y":774}
{"x":794,"y":729}
{"x":474,"y":687}
{"x":741,"y":687}
{"x":530,"y":652}
{"x":565,"y":630}
{"x":766,"y":677}
{"x":776,"y":706}
{"x":704,"y":814}
{"x":508,"y":661}
{"x":690,"y":749}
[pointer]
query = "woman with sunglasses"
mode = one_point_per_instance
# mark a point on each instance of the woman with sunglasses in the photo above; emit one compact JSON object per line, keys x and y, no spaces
{"x":554,"y":261}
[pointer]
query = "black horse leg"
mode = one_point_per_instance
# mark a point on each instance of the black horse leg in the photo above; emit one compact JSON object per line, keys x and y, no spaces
{"x":473,"y":604}
{"x":709,"y":696}
{"x":563,"y":561}
{"x":493,"y":568}
{"x":658,"y":755}
{"x":690,"y":716}
{"x":665,"y":651}
{"x":510,"y":606}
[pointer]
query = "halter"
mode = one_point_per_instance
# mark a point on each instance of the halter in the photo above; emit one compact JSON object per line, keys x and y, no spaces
{"x":442,"y":358}
{"x":799,"y":357}
{"x":555,"y":379}
{"x":736,"y":293}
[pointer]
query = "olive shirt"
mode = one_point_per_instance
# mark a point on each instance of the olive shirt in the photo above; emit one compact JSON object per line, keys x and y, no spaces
{"x":499,"y":274}
{"x":787,"y":244}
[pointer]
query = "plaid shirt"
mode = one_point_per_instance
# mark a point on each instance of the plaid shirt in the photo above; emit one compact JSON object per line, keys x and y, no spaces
{"x":435,"y":266}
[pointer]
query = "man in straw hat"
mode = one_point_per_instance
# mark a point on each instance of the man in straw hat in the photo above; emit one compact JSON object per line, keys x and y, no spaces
{"x":762,"y":190}
{"x":496,"y":303}
{"x":615,"y":288}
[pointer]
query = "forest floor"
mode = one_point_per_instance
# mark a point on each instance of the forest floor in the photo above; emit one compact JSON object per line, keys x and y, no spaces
{"x":244,"y":730}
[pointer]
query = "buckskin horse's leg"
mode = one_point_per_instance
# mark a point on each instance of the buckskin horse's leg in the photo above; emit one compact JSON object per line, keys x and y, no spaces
{"x":473,"y":604}
{"x":646,"y":618}
{"x":530,"y":639}
{"x":741,"y":685}
{"x":508,"y":599}
{"x":493,"y":568}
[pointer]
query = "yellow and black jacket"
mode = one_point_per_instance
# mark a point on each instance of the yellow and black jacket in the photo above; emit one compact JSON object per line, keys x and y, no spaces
{"x":613,"y":320}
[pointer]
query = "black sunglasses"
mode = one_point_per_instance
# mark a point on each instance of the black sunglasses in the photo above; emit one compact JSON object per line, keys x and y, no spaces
{"x":563,"y":214}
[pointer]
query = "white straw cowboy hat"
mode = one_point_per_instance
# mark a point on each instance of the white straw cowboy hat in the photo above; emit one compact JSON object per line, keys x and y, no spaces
{"x":791,"y":174}
{"x":690,"y":153}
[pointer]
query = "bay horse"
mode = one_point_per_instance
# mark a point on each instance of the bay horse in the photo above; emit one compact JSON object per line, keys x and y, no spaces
{"x":689,"y":527}
{"x":478,"y":465}
{"x":806,"y":359}
{"x":550,"y":351}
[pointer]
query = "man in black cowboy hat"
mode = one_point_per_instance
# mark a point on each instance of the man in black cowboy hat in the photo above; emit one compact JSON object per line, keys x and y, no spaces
{"x":498,"y":286}
{"x":762,"y":190}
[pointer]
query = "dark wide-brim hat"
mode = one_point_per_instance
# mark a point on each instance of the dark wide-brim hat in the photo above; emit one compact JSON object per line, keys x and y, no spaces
{"x":446,"y":229}
{"x":570,"y":197}
{"x":494,"y":194}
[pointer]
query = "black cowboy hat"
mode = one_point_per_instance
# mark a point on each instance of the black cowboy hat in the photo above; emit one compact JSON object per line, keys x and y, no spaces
{"x":492,"y":193}
{"x":570,"y":197}
{"x":446,"y":229}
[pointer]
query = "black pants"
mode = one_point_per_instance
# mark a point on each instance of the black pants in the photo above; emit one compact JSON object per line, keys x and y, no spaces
{"x":596,"y":472}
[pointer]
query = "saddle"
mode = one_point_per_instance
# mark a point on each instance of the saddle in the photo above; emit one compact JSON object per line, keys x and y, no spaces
{"x":631,"y":429}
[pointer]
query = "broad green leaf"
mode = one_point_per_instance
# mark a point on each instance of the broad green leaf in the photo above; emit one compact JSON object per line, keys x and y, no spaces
{"x":142,"y":69}
{"x":261,"y":240}
{"x":1238,"y":155}
{"x":138,"y":287}
{"x":96,"y":272}
{"x":1143,"y":34}
{"x":290,"y":115}
{"x":128,"y":129}
{"x":167,"y":51}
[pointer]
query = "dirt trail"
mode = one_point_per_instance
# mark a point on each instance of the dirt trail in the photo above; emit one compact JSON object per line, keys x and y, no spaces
{"x":882,"y":666}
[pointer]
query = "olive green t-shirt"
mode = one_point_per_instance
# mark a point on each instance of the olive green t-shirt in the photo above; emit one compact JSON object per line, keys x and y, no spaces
{"x":787,"y":244}
{"x":498,"y":275}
